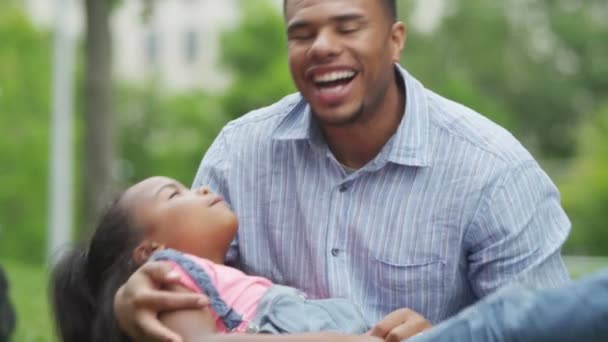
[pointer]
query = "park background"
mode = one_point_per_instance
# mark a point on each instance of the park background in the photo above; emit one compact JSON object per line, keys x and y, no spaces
{"x":538,"y":68}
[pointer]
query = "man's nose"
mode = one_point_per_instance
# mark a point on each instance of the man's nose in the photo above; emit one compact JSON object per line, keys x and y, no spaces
{"x":324,"y":46}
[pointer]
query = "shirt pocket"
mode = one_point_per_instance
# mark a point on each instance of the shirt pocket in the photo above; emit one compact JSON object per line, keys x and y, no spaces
{"x":416,"y":282}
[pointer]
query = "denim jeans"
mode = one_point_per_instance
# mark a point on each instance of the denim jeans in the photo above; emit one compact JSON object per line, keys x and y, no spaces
{"x":575,"y":312}
{"x":285,"y":310}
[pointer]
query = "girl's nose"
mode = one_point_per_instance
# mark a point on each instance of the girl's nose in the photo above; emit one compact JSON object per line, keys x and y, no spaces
{"x":203,"y":190}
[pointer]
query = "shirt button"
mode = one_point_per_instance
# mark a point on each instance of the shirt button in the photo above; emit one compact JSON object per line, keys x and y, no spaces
{"x":343,"y":188}
{"x":335,"y":252}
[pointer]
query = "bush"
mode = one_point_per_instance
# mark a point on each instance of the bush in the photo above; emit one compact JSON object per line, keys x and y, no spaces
{"x":585,"y":192}
{"x":24,"y":138}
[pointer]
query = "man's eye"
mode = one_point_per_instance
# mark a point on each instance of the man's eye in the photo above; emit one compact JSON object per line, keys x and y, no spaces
{"x":348,"y":29}
{"x":300,"y":35}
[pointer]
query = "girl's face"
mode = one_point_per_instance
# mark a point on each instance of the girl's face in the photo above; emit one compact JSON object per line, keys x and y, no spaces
{"x":195,"y":222}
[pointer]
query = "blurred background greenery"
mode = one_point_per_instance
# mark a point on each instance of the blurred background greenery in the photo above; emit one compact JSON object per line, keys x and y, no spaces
{"x":536,"y":67}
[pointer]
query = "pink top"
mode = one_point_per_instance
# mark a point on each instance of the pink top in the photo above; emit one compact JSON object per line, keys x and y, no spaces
{"x":239,"y":291}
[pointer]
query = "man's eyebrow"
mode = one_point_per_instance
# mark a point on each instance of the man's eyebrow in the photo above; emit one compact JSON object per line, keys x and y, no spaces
{"x":298,"y":24}
{"x":347,"y":17}
{"x":168,"y":185}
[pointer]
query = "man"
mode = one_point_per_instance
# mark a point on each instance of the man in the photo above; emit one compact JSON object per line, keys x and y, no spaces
{"x":368,"y":186}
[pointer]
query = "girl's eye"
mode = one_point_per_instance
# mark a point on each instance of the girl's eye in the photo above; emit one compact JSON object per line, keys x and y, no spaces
{"x":175,"y":193}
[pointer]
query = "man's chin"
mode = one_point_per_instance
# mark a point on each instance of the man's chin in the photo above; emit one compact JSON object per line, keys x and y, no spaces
{"x":337,"y":117}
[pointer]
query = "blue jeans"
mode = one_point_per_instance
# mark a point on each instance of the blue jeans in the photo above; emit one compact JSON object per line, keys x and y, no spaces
{"x":575,"y":312}
{"x":285,"y":310}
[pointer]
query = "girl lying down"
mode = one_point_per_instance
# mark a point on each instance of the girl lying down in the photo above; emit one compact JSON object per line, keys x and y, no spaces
{"x":160,"y":219}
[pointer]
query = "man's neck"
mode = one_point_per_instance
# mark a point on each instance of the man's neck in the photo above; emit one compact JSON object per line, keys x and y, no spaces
{"x":358,"y":143}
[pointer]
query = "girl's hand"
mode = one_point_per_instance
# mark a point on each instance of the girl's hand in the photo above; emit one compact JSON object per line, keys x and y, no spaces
{"x":139,"y":301}
{"x":400,"y":325}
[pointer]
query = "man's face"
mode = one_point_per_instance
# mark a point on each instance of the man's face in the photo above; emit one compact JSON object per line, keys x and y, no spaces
{"x":341,"y":55}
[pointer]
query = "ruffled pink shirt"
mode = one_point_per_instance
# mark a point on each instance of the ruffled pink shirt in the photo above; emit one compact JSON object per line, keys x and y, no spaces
{"x":239,"y":291}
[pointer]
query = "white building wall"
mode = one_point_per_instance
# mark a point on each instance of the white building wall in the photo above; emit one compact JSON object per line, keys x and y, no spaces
{"x":168,"y":26}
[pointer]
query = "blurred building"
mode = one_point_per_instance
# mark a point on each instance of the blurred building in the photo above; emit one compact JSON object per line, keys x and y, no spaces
{"x":177,"y":43}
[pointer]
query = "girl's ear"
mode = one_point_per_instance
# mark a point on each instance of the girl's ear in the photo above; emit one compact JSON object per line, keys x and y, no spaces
{"x":144,"y":250}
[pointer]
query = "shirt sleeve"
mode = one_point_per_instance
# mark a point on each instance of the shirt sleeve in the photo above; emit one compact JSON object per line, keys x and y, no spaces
{"x":213,"y":172}
{"x":184,"y":278}
{"x":518,"y":233}
{"x":213,"y":169}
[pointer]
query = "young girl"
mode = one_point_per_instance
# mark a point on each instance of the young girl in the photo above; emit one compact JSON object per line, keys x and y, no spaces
{"x":155,"y":219}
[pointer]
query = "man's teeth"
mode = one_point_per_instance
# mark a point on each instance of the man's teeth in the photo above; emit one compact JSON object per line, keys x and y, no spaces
{"x":334,"y":76}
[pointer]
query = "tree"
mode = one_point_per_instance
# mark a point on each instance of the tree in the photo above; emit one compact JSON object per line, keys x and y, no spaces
{"x":533,"y":66}
{"x":585,"y":192}
{"x":99,"y":145}
{"x":24,"y":121}
{"x":255,"y":53}
{"x":164,"y":135}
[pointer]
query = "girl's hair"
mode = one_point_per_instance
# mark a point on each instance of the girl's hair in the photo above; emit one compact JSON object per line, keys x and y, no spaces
{"x":85,"y":280}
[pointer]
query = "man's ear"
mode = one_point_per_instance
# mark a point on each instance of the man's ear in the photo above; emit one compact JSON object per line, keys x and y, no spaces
{"x":398,"y":39}
{"x":144,"y":250}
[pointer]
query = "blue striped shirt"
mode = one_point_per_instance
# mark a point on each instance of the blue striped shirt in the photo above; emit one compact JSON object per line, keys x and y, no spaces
{"x":452,"y":208}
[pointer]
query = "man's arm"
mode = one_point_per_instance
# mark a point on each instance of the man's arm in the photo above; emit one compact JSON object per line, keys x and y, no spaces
{"x":518,"y":232}
{"x":213,"y":169}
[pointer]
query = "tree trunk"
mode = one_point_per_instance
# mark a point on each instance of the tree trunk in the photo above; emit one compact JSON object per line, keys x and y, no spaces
{"x":99,"y":145}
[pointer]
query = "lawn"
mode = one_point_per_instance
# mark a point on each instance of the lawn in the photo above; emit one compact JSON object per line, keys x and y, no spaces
{"x":29,"y":289}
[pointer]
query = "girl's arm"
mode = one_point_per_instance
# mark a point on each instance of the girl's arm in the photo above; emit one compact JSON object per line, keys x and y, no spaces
{"x":191,"y":324}
{"x":199,"y":326}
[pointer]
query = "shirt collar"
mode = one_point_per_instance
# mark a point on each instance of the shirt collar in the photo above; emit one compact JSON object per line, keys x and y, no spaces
{"x":297,"y":124}
{"x":408,"y":146}
{"x":410,"y":143}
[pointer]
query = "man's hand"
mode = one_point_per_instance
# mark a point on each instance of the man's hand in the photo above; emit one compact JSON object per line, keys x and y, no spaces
{"x":138,"y":302}
{"x":400,"y":325}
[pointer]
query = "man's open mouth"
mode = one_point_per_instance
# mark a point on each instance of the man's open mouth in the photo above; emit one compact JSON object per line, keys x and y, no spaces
{"x":335,"y":79}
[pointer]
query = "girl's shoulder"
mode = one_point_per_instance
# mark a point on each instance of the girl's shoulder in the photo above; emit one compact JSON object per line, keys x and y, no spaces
{"x":194,"y":271}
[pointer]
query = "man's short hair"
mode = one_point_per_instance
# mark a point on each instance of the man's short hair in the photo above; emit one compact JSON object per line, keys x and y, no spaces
{"x":389,"y":5}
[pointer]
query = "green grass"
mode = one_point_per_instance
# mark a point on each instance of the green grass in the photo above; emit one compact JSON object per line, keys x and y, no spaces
{"x":29,"y":294}
{"x":28,"y":291}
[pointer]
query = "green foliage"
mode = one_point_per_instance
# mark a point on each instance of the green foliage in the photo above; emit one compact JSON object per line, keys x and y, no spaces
{"x":24,"y":124}
{"x":585,"y":193}
{"x":28,"y":293}
{"x":164,"y":135}
{"x":535,"y":67}
{"x":256,"y":55}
